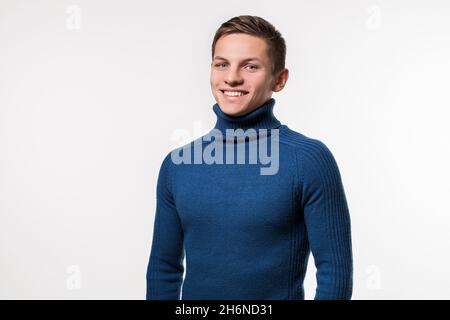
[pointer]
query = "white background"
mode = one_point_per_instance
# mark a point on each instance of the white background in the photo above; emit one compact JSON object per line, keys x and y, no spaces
{"x":93,"y":95}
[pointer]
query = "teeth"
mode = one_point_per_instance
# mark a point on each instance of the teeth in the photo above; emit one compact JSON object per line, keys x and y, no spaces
{"x":233,"y":93}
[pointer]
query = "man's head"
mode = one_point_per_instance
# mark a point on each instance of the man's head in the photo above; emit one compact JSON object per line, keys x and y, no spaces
{"x":239,"y":39}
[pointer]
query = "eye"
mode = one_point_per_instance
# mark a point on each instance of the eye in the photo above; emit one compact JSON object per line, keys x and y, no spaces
{"x":251,"y":65}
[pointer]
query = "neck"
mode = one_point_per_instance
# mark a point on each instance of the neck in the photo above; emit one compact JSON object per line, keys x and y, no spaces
{"x":260,"y":118}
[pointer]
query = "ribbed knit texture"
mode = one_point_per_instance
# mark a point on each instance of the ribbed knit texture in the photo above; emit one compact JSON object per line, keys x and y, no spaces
{"x":247,"y":235}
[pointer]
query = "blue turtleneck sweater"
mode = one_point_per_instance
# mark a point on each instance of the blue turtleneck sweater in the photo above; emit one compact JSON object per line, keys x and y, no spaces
{"x":246,"y":235}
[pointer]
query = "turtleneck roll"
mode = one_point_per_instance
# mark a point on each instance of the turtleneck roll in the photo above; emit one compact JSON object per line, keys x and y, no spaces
{"x":260,"y":118}
{"x":245,"y":214}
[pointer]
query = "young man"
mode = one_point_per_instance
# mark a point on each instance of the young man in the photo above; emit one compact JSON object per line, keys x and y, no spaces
{"x":247,"y":233}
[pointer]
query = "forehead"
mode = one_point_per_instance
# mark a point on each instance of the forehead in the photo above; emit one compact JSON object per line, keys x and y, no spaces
{"x":239,"y":46}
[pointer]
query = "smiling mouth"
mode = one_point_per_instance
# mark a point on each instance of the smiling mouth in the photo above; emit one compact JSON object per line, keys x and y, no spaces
{"x":244,"y":93}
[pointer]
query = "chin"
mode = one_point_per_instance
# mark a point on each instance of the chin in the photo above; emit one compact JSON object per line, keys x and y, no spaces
{"x":234,"y":106}
{"x":233,"y":110}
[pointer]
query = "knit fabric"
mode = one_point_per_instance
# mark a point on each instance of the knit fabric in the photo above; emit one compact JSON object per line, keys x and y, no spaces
{"x":246,"y":235}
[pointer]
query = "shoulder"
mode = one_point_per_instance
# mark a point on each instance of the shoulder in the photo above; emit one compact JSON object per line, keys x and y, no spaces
{"x":178,"y":156}
{"x":315,"y":161}
{"x":306,"y":147}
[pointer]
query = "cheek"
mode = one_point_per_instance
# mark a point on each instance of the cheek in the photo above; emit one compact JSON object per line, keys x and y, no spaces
{"x":214,"y":78}
{"x":259,"y":85}
{"x":215,"y":73}
{"x":257,"y":79}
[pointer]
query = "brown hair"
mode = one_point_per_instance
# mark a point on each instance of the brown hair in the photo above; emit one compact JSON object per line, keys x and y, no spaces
{"x":256,"y":26}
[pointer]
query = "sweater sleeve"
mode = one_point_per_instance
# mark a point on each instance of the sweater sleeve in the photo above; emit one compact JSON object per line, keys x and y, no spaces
{"x":327,"y":221}
{"x":165,"y":268}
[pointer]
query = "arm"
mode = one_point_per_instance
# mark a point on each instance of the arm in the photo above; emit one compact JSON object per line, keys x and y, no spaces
{"x":165,"y":268}
{"x":327,"y":221}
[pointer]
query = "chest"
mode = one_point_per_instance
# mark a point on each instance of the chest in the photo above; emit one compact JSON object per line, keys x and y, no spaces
{"x":210,"y":197}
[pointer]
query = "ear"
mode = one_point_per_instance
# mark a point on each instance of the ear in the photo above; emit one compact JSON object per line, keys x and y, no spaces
{"x":280,"y":80}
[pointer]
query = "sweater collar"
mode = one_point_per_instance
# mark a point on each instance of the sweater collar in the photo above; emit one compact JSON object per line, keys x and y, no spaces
{"x":260,"y":118}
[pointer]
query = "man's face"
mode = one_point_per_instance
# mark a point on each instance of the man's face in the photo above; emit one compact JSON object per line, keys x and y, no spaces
{"x":231,"y":71}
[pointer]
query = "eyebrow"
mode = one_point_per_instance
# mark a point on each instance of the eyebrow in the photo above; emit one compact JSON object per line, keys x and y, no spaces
{"x":245,"y":60}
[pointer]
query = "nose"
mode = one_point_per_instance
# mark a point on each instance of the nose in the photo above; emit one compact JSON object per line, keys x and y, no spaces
{"x":233,"y":77}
